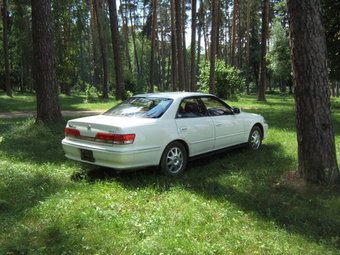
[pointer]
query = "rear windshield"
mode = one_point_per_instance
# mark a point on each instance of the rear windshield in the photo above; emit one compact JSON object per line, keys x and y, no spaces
{"x":144,"y":107}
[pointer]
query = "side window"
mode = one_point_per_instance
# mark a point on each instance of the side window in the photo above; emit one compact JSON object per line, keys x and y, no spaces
{"x":191,"y":108}
{"x":215,"y":107}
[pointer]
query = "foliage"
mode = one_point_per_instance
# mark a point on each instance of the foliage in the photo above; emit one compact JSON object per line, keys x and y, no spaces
{"x":224,"y":204}
{"x":279,"y":56}
{"x":228,"y":80}
{"x":90,"y":93}
{"x":331,"y":14}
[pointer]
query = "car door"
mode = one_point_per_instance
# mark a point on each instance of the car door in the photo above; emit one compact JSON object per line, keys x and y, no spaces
{"x":195,"y":126}
{"x":229,"y":127}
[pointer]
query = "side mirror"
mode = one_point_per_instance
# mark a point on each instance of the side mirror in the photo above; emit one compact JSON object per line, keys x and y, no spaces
{"x":236,"y":110}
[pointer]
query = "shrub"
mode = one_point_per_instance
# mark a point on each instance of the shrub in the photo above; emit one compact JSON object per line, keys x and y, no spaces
{"x":228,"y":80}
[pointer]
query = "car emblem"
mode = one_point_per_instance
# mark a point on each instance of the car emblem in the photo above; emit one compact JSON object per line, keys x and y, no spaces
{"x":89,"y":127}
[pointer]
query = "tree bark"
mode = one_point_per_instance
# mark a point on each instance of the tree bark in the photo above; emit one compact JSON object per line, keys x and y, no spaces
{"x":316,"y":145}
{"x":5,"y":48}
{"x":179,"y":42}
{"x":193,"y":46}
{"x":126,"y":36}
{"x":120,"y":86}
{"x":214,"y":42}
{"x":184,"y":48}
{"x":103,"y":47}
{"x":200,"y":25}
{"x":174,"y":72}
{"x":48,"y":109}
{"x":153,"y":45}
{"x":263,"y":62}
{"x":249,"y":7}
{"x":233,"y":34}
{"x":133,"y":33}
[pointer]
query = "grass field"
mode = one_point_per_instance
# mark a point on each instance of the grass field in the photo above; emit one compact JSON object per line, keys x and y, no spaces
{"x":239,"y":202}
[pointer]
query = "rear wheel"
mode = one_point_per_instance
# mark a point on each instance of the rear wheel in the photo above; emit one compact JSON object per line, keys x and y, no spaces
{"x":174,"y":159}
{"x":255,"y":138}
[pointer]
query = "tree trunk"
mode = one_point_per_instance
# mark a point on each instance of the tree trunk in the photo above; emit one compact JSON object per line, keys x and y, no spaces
{"x":126,"y":37}
{"x":316,"y":145}
{"x":5,"y":47}
{"x":200,"y":25}
{"x":179,"y":42}
{"x":186,"y":74}
{"x":263,"y":62}
{"x":193,"y":46}
{"x":249,"y":7}
{"x":214,"y":42}
{"x":174,"y":66}
{"x":133,"y":33}
{"x":233,"y":34}
{"x":205,"y":33}
{"x":120,"y":86}
{"x":97,"y":5}
{"x":48,"y":109}
{"x":153,"y":45}
{"x":95,"y":53}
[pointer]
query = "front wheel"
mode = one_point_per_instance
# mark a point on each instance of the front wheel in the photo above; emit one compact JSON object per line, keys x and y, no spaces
{"x":255,"y":138}
{"x":174,"y":159}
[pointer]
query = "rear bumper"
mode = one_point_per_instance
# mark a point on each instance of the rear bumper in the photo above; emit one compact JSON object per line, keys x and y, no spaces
{"x":122,"y":158}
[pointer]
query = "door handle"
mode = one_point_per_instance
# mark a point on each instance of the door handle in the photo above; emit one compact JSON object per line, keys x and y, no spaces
{"x":218,"y":124}
{"x":183,"y":128}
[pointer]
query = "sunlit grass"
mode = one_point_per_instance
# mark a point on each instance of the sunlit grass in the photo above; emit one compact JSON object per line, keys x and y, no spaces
{"x":231,"y":203}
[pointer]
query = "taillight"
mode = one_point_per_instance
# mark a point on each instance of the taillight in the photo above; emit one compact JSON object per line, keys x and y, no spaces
{"x":124,"y":139}
{"x":71,"y":132}
{"x":116,"y":139}
{"x":104,"y":137}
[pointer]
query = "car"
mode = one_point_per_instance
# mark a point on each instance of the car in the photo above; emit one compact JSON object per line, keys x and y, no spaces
{"x":161,"y":129}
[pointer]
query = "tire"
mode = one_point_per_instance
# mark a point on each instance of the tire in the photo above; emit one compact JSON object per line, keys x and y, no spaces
{"x":255,"y":138}
{"x":174,"y":159}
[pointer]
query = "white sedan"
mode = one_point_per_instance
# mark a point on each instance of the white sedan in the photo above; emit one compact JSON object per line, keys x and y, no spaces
{"x":161,"y":129}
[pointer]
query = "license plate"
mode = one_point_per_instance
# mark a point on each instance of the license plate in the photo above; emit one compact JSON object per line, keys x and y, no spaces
{"x":86,"y":155}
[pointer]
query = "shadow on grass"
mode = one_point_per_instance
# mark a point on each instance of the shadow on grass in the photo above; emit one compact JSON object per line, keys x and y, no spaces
{"x":212,"y":178}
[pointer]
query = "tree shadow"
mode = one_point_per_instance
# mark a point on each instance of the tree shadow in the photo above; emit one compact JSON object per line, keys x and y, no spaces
{"x":210,"y":177}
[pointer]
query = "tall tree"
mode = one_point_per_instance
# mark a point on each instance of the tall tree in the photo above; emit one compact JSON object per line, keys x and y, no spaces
{"x":48,"y":109}
{"x":263,"y":62}
{"x":120,"y":86}
{"x":97,"y":9}
{"x":153,"y":45}
{"x":179,"y":44}
{"x":316,"y":146}
{"x":174,"y":65}
{"x":126,"y":36}
{"x":5,"y":48}
{"x":133,"y":33}
{"x":193,"y":45}
{"x":234,"y":33}
{"x":214,"y":44}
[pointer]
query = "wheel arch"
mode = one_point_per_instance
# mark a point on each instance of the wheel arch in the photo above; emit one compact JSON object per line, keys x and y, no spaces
{"x":259,"y":125}
{"x":180,"y":141}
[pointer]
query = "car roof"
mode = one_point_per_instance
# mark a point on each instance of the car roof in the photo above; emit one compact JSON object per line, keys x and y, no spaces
{"x":173,"y":95}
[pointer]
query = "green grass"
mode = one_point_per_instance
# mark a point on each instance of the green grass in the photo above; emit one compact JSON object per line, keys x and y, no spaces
{"x":27,"y":102}
{"x":232,"y":203}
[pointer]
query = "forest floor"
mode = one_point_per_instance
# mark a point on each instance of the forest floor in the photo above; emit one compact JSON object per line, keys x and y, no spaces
{"x":236,"y":202}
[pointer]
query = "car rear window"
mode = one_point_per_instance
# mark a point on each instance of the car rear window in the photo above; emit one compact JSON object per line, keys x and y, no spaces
{"x":143,"y":107}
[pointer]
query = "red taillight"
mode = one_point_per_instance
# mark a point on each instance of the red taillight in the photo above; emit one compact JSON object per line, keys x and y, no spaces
{"x":71,"y":131}
{"x":124,"y":139}
{"x":105,"y":136}
{"x":116,"y":139}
